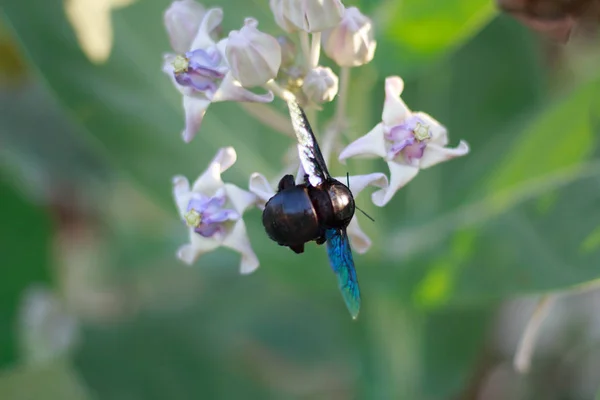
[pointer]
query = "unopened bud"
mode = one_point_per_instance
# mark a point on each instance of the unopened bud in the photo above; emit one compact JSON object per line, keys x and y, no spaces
{"x":307,"y":15}
{"x":253,"y":56}
{"x":320,"y":85}
{"x":182,"y":20}
{"x":351,"y":43}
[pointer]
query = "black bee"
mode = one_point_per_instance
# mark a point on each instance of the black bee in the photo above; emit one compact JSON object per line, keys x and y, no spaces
{"x":320,"y":209}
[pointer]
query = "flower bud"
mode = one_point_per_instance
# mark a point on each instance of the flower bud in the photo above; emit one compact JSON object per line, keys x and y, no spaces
{"x":307,"y":15}
{"x":351,"y":43}
{"x":320,"y":85}
{"x":182,"y":20}
{"x":253,"y":56}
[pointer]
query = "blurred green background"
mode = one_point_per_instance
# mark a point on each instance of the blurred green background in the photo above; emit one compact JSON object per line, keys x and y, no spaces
{"x":94,"y":304}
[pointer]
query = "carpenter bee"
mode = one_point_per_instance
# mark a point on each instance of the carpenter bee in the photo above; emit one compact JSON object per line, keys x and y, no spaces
{"x":319,"y":209}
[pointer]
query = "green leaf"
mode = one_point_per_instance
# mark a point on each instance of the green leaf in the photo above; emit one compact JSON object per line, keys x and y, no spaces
{"x":453,"y":340}
{"x":54,"y":381}
{"x":42,"y":147}
{"x":419,"y":31}
{"x":25,"y":239}
{"x":127,"y":104}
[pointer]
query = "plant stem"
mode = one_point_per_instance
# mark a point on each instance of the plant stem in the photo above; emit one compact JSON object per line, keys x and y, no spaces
{"x":522,"y":360}
{"x":342,"y":96}
{"x":270,"y":117}
{"x":340,"y":114}
{"x":305,"y":45}
{"x":278,"y":90}
{"x":315,"y":49}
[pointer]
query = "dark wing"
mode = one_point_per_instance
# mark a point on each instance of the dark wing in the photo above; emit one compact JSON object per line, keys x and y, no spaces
{"x":308,"y":148}
{"x":340,"y":258}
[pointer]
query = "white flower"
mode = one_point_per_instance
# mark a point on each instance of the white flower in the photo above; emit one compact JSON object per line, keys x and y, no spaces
{"x":307,"y":15}
{"x":202,"y":74}
{"x":407,"y":141}
{"x":350,"y":43}
{"x":320,"y":85}
{"x":213,"y":210}
{"x":254,"y":56}
{"x":360,"y":242}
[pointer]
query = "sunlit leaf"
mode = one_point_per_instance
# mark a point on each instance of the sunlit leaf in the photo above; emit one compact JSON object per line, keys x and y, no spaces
{"x":421,"y":30}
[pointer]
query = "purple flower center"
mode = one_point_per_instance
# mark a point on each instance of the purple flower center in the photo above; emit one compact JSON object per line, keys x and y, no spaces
{"x":409,"y":139}
{"x":207,"y":215}
{"x":200,"y":69}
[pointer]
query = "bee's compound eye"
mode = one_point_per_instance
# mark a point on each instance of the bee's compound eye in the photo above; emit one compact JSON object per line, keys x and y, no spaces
{"x":342,"y":203}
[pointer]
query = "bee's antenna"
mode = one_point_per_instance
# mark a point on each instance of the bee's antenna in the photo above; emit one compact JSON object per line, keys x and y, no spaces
{"x":357,"y":207}
{"x":365,"y":214}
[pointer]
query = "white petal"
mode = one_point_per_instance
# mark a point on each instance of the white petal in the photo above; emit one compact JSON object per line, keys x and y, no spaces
{"x":359,"y":182}
{"x":359,"y":241}
{"x":439,"y":134}
{"x":240,"y":198}
{"x":232,"y":90}
{"x":259,"y":185}
{"x":400,"y":175}
{"x":182,"y":20}
{"x":210,"y":181}
{"x":371,"y":144}
{"x":212,"y":19}
{"x":395,"y":110}
{"x":238,"y":240}
{"x":168,"y":69}
{"x":181,"y":193}
{"x":300,"y":172}
{"x":194,"y":109}
{"x":189,"y":253}
{"x":435,"y":154}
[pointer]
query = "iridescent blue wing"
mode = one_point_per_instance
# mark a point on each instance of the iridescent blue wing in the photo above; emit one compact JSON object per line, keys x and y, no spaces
{"x":340,"y":258}
{"x":308,"y":148}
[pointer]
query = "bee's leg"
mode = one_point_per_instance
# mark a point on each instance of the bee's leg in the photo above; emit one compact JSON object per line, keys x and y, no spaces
{"x":306,"y":180}
{"x":286,"y":182}
{"x":298,"y":249}
{"x":321,"y":239}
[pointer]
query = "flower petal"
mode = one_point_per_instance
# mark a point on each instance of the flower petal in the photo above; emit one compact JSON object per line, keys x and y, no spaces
{"x":211,"y":21}
{"x":230,"y":89}
{"x":194,"y":109}
{"x":300,"y":173}
{"x":210,"y":181}
{"x":240,"y":199}
{"x":181,"y":193}
{"x":359,"y":240}
{"x":359,"y":182}
{"x":208,"y":230}
{"x":371,"y":144}
{"x":238,"y":240}
{"x":394,"y":109}
{"x":259,"y":185}
{"x":439,"y":134}
{"x":189,"y":253}
{"x":400,"y":175}
{"x":435,"y":154}
{"x":182,"y":20}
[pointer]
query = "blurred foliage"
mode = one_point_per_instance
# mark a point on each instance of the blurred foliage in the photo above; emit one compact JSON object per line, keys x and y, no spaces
{"x":25,"y":236}
{"x":99,"y":142}
{"x":54,"y":381}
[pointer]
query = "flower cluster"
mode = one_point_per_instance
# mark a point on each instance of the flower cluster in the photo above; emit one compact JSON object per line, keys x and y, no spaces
{"x":208,"y":66}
